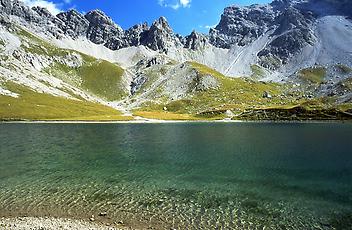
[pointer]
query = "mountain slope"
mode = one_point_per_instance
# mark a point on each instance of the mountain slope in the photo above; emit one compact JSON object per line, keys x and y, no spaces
{"x":273,"y":36}
{"x":25,"y":104}
{"x":274,"y":57}
{"x":34,"y":71}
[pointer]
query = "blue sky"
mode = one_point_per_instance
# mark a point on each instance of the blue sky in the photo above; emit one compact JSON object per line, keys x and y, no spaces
{"x":183,"y":15}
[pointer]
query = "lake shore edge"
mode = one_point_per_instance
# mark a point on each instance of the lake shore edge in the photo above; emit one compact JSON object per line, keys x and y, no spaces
{"x":53,"y":223}
{"x":156,"y":121}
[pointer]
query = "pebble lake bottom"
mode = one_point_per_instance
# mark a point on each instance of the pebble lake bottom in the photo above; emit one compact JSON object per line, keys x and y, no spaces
{"x":181,"y":175}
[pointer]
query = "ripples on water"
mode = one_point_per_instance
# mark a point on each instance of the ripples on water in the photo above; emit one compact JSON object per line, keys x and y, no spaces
{"x":200,"y":176}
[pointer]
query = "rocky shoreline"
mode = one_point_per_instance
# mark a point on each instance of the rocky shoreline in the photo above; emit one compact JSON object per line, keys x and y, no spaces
{"x":49,"y":223}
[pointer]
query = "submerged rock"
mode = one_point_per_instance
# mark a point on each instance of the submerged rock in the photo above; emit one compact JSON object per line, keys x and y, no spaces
{"x":103,"y":214}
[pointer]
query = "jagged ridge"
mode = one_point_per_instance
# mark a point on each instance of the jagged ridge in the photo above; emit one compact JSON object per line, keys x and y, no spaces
{"x":288,"y":24}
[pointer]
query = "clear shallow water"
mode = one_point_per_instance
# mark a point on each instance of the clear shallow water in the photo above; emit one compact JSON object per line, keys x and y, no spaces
{"x":196,"y":175}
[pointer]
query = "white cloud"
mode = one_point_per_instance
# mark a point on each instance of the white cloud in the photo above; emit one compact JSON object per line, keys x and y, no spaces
{"x":185,"y":3}
{"x":208,"y":26}
{"x":175,"y":4}
{"x":50,"y":6}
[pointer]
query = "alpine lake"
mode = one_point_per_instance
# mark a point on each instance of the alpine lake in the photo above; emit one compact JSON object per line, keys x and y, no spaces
{"x":180,"y":175}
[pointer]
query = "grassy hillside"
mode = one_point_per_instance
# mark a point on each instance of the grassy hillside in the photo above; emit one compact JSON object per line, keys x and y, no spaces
{"x":247,"y":99}
{"x":31,"y":105}
{"x":103,"y":79}
{"x":314,"y":75}
{"x":232,"y":93}
{"x":99,"y":77}
{"x":257,"y":72}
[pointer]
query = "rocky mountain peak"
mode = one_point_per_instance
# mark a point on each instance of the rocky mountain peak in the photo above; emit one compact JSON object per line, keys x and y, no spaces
{"x":74,"y":23}
{"x":19,"y":9}
{"x":51,"y":22}
{"x":272,"y":34}
{"x":139,"y":27}
{"x":195,"y":41}
{"x":43,"y":12}
{"x":160,"y":36}
{"x":241,"y":25}
{"x":99,"y":17}
{"x":285,"y":3}
{"x":101,"y":27}
{"x":162,"y":25}
{"x":72,"y":13}
{"x":135,"y":32}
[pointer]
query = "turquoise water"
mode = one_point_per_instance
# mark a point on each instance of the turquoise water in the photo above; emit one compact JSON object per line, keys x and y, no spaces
{"x":182,"y":175}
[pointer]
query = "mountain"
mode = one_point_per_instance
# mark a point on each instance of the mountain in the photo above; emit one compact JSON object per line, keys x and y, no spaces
{"x":283,"y":55}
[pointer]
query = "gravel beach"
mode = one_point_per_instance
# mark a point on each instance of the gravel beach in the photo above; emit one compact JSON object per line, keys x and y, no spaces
{"x":39,"y":223}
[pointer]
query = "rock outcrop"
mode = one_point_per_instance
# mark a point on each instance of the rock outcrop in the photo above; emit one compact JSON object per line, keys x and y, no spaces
{"x":195,"y":41}
{"x":74,"y":23}
{"x":101,"y":28}
{"x":242,"y":25}
{"x":160,"y":36}
{"x":134,"y":34}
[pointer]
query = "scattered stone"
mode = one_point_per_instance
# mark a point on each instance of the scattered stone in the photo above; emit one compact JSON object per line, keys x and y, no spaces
{"x":229,"y":113}
{"x":48,"y":223}
{"x":267,"y":95}
{"x":103,"y":214}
